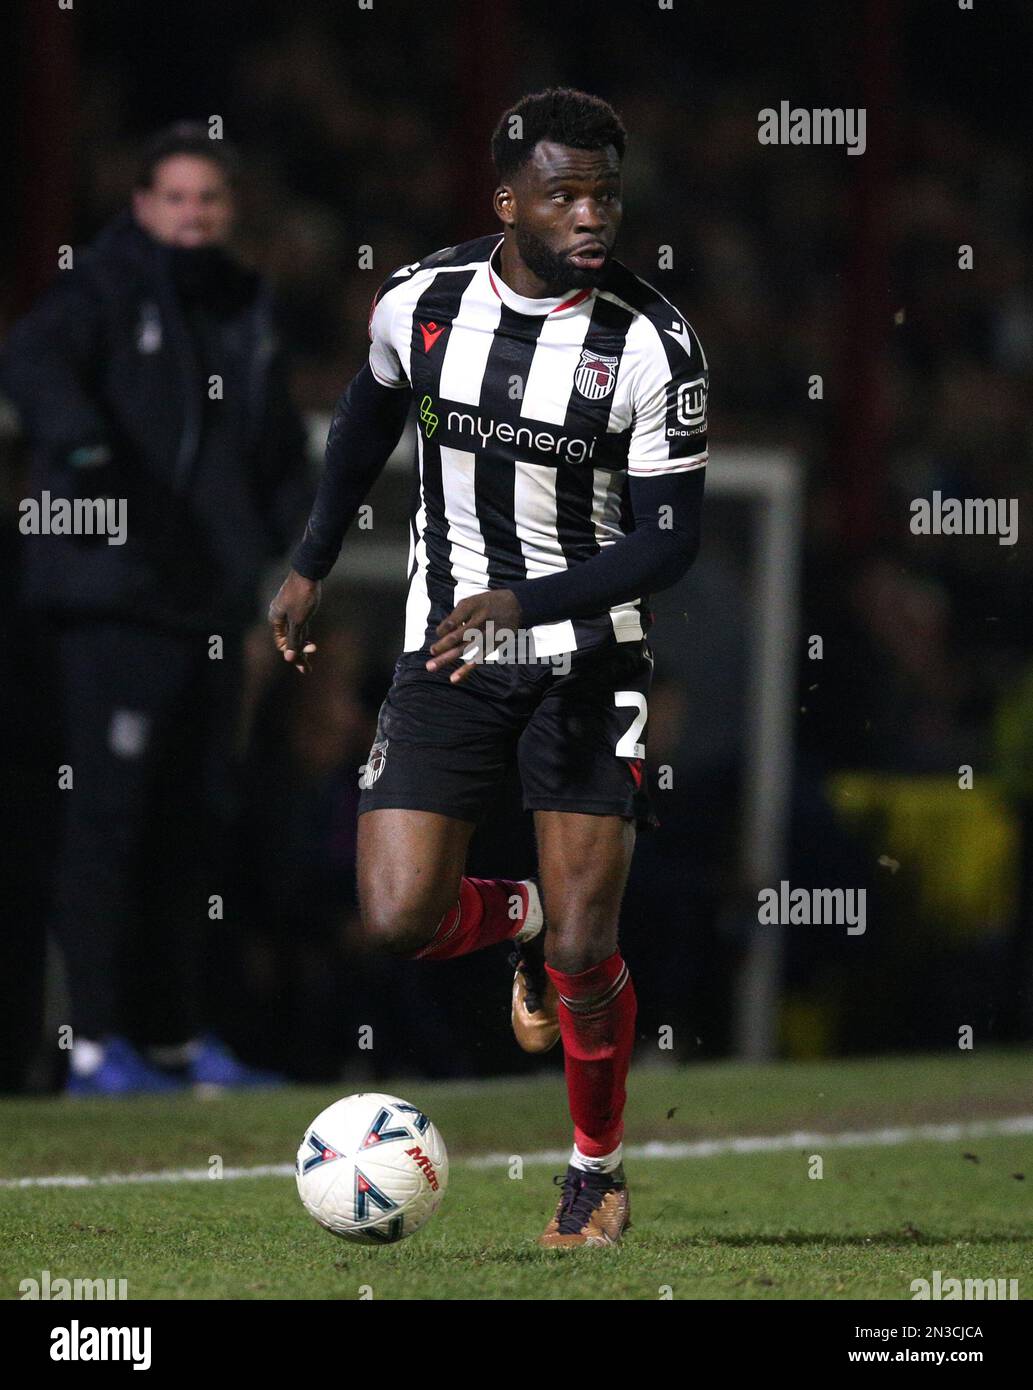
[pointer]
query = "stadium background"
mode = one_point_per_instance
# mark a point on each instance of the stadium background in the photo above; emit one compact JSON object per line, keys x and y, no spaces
{"x":371,"y":128}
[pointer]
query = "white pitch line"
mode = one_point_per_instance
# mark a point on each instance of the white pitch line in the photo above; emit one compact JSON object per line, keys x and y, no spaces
{"x":657,"y":1148}
{"x":799,"y":1139}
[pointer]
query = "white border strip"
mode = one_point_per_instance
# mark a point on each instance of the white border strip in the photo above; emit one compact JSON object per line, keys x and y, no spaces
{"x":701,"y":1148}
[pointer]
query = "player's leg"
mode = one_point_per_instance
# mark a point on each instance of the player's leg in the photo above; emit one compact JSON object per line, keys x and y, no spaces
{"x":583,"y":868}
{"x":415,"y":899}
{"x":581,"y":765}
{"x":409,"y":866}
{"x":439,"y":754}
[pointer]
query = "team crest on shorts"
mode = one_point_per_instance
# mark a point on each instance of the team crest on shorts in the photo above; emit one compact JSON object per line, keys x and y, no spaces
{"x":595,"y":376}
{"x":374,"y":765}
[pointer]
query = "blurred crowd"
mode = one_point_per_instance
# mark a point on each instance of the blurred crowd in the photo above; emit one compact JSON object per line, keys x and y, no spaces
{"x":792,"y":263}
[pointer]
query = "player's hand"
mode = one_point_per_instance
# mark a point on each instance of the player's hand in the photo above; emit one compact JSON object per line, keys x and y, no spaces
{"x":496,"y":606}
{"x":289,"y":613}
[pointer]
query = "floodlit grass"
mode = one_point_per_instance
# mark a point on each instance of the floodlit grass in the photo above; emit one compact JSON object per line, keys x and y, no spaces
{"x":747,"y":1226}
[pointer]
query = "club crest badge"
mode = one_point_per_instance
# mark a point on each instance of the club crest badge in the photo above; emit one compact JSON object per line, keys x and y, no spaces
{"x":595,"y":376}
{"x":373,"y":766}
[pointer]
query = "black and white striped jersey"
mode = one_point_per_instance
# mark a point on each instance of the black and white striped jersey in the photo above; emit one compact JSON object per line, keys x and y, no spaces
{"x":531,"y":415}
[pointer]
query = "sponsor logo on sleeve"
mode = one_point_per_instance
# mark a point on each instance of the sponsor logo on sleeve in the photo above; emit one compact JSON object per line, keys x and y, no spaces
{"x":687,"y":402}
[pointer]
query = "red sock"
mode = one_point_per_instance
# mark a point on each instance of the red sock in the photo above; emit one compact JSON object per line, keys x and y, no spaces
{"x":489,"y":910}
{"x":597,"y":1024}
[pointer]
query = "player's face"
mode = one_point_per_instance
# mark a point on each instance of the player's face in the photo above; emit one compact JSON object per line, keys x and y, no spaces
{"x":189,"y":203}
{"x":565,"y":211}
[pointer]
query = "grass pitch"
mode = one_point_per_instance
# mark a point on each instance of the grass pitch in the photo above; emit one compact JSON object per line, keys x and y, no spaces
{"x":738,"y":1225}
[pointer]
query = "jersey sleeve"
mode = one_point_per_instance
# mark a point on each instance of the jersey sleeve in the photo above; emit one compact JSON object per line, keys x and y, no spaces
{"x":669,"y":402}
{"x":384,"y":361}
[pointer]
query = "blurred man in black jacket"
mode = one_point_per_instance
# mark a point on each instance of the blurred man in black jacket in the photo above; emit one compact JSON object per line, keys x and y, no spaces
{"x":154,"y":396}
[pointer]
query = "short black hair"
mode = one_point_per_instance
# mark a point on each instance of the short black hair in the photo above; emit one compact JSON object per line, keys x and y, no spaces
{"x":185,"y":137}
{"x":561,"y":114}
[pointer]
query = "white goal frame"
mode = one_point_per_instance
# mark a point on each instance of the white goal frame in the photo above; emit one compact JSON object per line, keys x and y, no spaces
{"x":771,"y":480}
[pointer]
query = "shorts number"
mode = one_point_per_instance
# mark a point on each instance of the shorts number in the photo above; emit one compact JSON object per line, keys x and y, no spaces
{"x":628,"y":745}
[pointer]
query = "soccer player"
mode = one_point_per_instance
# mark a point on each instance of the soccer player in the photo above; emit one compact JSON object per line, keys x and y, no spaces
{"x":561,"y":407}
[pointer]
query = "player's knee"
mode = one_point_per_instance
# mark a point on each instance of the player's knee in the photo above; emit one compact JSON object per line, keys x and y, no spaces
{"x":574,"y":960}
{"x":579,"y":947}
{"x":398,"y":928}
{"x":587,"y":910}
{"x":582,"y":923}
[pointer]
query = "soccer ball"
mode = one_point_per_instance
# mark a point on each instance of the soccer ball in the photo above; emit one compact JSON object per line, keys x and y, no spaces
{"x":372,"y":1169}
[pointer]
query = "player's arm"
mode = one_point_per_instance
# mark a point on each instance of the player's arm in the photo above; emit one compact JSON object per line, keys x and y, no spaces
{"x":668,"y":516}
{"x":667,"y":456}
{"x":367,"y":424}
{"x":366,"y":427}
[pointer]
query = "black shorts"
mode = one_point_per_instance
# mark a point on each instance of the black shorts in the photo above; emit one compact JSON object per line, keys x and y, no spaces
{"x":578,"y":737}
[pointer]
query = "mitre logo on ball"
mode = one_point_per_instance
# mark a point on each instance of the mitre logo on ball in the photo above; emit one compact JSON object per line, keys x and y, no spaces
{"x":595,"y":376}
